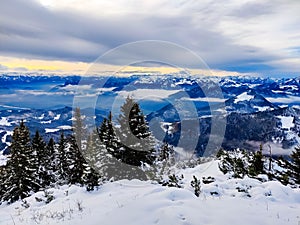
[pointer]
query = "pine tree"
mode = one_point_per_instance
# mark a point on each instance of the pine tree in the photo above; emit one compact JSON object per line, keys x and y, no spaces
{"x":108,"y":137}
{"x":53,"y":159}
{"x":21,"y":178}
{"x":91,"y":176}
{"x":134,"y":134}
{"x":257,"y":164}
{"x":79,"y":129}
{"x":75,"y":161}
{"x":62,"y":166}
{"x":109,"y":157}
{"x":295,"y":165}
{"x":195,"y":183}
{"x":3,"y":176}
{"x":167,"y":153}
{"x":44,"y":164}
{"x":111,"y":154}
{"x":233,"y":162}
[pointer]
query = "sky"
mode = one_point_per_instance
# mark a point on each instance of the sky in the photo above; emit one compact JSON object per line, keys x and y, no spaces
{"x":259,"y":37}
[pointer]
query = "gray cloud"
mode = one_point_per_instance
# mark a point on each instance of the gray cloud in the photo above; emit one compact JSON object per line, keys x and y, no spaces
{"x":20,"y":69}
{"x":254,"y":9}
{"x":27,"y":29}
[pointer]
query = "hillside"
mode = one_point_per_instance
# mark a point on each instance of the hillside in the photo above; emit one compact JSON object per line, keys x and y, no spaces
{"x":225,"y":201}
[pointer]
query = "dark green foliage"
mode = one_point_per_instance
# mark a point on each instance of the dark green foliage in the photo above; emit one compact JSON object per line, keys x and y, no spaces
{"x":295,"y":165}
{"x":108,"y":153}
{"x":108,"y":137}
{"x":208,"y":180}
{"x":62,"y":162}
{"x":234,"y":163}
{"x":79,"y":129}
{"x":137,"y":142}
{"x":173,"y":181}
{"x":167,"y":153}
{"x":220,"y":153}
{"x":21,"y":170}
{"x":44,"y":172}
{"x":3,"y":174}
{"x":257,"y":164}
{"x":92,"y":154}
{"x":53,"y":159}
{"x":90,"y":177}
{"x":75,"y":161}
{"x":195,"y":183}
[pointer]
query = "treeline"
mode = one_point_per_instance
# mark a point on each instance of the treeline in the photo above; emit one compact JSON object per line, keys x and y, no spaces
{"x":83,"y":158}
{"x":241,"y":163}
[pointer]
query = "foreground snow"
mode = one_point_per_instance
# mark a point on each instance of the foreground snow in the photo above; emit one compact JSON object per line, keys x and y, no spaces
{"x":225,"y":201}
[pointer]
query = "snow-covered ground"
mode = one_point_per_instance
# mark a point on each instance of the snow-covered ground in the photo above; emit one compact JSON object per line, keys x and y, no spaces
{"x":3,"y":159}
{"x":224,"y":201}
{"x":243,"y":97}
{"x":286,"y":121}
{"x":4,"y":122}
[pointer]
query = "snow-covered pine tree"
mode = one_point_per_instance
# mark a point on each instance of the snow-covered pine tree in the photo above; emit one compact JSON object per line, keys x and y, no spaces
{"x":134,"y":134}
{"x":108,"y":137}
{"x":3,"y":174}
{"x":62,"y":167}
{"x":91,"y":176}
{"x":110,"y":154}
{"x":167,"y":153}
{"x":107,"y":146}
{"x":257,"y":164}
{"x":164,"y":161}
{"x":21,"y":177}
{"x":79,"y":128}
{"x":75,"y":161}
{"x":234,"y":162}
{"x":295,"y":165}
{"x":53,"y":159}
{"x":44,"y":164}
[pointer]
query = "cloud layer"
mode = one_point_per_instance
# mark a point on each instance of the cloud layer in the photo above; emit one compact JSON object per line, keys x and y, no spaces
{"x":245,"y":36}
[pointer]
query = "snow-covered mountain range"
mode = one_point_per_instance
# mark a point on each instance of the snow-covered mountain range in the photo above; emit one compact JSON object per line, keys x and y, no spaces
{"x":257,"y":110}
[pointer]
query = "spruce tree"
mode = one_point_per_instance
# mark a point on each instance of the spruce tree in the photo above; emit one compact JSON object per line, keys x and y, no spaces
{"x":75,"y":161}
{"x":3,"y":176}
{"x":91,"y":177}
{"x":108,"y":137}
{"x":79,"y":129}
{"x":134,"y":134}
{"x":106,"y":145}
{"x":295,"y":165}
{"x":53,"y":159}
{"x":167,"y":153}
{"x":111,"y":154}
{"x":44,"y":163}
{"x":257,"y":164}
{"x":21,"y":179}
{"x":62,"y":166}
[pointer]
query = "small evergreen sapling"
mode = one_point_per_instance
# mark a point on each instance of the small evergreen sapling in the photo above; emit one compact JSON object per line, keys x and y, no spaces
{"x":195,"y":183}
{"x":173,"y":181}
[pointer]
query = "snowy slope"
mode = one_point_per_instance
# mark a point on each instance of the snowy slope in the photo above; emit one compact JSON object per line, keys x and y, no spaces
{"x":136,"y":202}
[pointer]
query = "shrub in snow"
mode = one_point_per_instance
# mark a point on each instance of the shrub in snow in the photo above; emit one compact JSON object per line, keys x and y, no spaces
{"x":173,"y":181}
{"x":208,"y":180}
{"x":195,"y":183}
